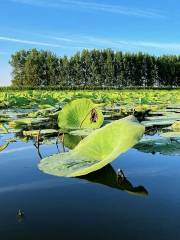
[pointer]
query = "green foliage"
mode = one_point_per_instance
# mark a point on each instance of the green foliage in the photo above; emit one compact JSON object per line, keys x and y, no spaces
{"x":176,"y":126}
{"x":94,"y":69}
{"x":96,"y":150}
{"x":125,"y":99}
{"x":80,"y":113}
{"x":2,"y":147}
{"x":165,"y":145}
{"x":4,"y":128}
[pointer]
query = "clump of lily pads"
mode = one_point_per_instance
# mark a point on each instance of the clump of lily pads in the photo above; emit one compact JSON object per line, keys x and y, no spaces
{"x":95,"y":151}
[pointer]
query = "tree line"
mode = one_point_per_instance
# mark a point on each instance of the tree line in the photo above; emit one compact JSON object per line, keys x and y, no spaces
{"x":94,"y":68}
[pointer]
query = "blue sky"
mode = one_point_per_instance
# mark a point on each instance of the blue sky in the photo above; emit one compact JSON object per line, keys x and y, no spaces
{"x":67,"y":26}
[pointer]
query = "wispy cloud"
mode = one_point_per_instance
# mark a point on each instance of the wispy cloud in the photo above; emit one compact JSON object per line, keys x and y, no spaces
{"x":78,"y":42}
{"x":93,"y":6}
{"x":29,"y":42}
{"x":37,"y":43}
{"x":99,"y":42}
{"x":171,"y":46}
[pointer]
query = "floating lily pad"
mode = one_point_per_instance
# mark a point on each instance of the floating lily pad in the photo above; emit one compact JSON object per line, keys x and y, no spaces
{"x":174,"y":106}
{"x":171,"y":135}
{"x":173,"y":117}
{"x":18,"y":123}
{"x":165,"y":146}
{"x":4,"y":117}
{"x":176,"y":126}
{"x":164,"y":122}
{"x":80,"y":113}
{"x":95,"y":151}
{"x":43,"y":132}
{"x":10,"y":130}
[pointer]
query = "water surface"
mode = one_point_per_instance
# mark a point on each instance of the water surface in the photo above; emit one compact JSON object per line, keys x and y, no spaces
{"x":146,"y":206}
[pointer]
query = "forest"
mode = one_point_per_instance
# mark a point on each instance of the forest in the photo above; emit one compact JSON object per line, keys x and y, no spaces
{"x":94,"y":68}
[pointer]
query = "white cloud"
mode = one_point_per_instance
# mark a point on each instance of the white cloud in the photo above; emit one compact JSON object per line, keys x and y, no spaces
{"x":170,"y":46}
{"x":99,"y":42}
{"x":93,"y":6}
{"x":9,"y":39}
{"x":81,"y":41}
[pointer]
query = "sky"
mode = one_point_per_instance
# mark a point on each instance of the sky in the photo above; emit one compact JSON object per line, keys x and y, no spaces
{"x":67,"y":26}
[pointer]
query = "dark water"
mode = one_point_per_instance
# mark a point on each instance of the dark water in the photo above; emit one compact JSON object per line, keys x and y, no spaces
{"x":145,"y":206}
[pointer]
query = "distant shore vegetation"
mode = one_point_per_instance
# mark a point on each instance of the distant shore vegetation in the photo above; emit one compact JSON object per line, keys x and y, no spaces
{"x":94,"y":69}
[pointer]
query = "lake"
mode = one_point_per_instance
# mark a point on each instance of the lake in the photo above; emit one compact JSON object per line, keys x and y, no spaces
{"x":146,"y":205}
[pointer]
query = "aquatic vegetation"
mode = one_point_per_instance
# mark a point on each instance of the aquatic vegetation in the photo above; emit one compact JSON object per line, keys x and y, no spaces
{"x":23,"y":122}
{"x":73,"y":119}
{"x":2,"y":147}
{"x":71,"y":141}
{"x":155,"y":99}
{"x":96,"y":150}
{"x":81,"y":132}
{"x":165,"y":146}
{"x":4,"y":128}
{"x":176,"y":126}
{"x":80,"y":113}
{"x":163,"y":122}
{"x":172,"y":135}
{"x":43,"y":132}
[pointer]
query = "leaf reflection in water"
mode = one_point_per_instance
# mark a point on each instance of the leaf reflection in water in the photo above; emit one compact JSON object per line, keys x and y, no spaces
{"x":108,"y":177}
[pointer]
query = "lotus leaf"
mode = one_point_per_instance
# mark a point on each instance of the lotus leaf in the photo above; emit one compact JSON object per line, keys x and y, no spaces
{"x":171,"y":134}
{"x":80,"y":113}
{"x":18,"y":123}
{"x":165,"y":146}
{"x":43,"y":132}
{"x":165,"y":122}
{"x":96,"y":150}
{"x":71,"y":141}
{"x":81,"y":132}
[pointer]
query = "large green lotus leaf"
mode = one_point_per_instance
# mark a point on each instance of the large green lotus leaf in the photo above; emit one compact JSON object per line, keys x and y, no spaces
{"x":78,"y":114}
{"x":96,"y":150}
